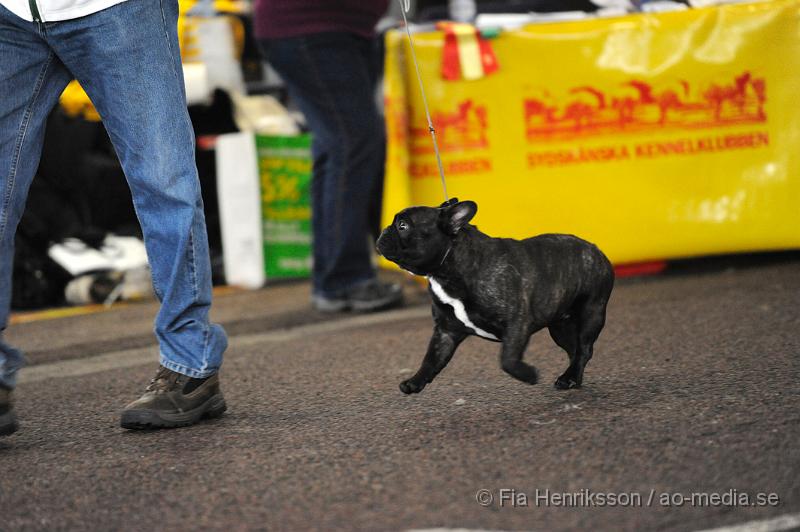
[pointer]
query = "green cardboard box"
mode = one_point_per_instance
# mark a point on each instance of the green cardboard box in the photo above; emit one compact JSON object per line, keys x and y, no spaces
{"x":284,"y":165}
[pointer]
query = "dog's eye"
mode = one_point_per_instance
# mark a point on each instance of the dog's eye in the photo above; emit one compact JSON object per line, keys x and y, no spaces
{"x":402,"y":225}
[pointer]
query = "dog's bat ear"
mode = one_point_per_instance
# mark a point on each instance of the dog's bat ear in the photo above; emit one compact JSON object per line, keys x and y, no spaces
{"x":458,"y":215}
{"x":451,"y":201}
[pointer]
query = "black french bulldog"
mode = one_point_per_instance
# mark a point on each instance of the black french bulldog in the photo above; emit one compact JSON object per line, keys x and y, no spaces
{"x":500,"y":289}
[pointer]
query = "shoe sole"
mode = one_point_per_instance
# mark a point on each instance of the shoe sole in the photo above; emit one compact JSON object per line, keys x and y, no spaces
{"x":8,"y":423}
{"x":152,"y":419}
{"x":326,"y":305}
{"x":373,"y":306}
{"x":357,"y":306}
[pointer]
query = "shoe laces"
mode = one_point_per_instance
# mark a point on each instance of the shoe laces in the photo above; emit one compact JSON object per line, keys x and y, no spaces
{"x":163,"y":381}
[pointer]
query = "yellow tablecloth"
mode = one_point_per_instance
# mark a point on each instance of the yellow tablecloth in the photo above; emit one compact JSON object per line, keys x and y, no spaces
{"x":655,"y":136}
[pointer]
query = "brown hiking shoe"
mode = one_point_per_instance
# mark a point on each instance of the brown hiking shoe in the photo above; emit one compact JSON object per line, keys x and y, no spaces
{"x":174,"y":400}
{"x":8,"y":420}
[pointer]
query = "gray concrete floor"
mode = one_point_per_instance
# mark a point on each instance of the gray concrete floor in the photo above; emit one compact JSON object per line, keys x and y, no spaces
{"x":693,"y":389}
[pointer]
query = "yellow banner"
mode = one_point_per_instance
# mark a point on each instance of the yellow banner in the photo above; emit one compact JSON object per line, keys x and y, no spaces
{"x":655,"y":136}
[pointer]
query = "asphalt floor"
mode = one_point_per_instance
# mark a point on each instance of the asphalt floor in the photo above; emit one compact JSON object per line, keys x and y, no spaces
{"x":691,"y":398}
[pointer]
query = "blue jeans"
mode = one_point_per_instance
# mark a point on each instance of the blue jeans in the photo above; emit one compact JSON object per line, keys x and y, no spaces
{"x":332,"y":79}
{"x":127,"y":59}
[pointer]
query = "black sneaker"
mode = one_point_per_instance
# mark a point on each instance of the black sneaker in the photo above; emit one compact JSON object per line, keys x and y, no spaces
{"x":8,"y":420}
{"x":366,"y":297}
{"x":174,"y":400}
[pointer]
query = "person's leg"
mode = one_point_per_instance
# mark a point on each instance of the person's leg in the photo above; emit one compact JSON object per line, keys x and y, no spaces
{"x":31,"y":80}
{"x":319,"y":154}
{"x":329,"y":76}
{"x":127,"y":59}
{"x":375,"y":55}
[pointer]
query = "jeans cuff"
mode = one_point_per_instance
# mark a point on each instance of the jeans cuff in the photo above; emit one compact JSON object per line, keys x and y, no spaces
{"x":183,"y":370}
{"x":8,"y":370}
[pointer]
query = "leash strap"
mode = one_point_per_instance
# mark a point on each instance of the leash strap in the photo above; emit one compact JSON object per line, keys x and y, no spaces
{"x":405,"y":5}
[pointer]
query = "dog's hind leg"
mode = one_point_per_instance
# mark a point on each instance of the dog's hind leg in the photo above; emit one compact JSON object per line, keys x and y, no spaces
{"x":440,"y":350}
{"x":565,"y":335}
{"x":590,"y":321}
{"x":511,"y":357}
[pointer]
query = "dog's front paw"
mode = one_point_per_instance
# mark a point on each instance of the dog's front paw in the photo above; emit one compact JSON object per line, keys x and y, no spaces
{"x":411,"y":386}
{"x":565,"y":382}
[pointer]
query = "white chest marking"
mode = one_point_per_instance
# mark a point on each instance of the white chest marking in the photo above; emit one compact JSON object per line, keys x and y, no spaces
{"x":458,"y":309}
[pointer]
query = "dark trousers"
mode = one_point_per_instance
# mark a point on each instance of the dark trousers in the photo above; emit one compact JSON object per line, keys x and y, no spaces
{"x":331,"y":77}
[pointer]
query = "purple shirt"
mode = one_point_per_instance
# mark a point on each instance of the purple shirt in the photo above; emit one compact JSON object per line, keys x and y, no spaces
{"x":276,"y":19}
